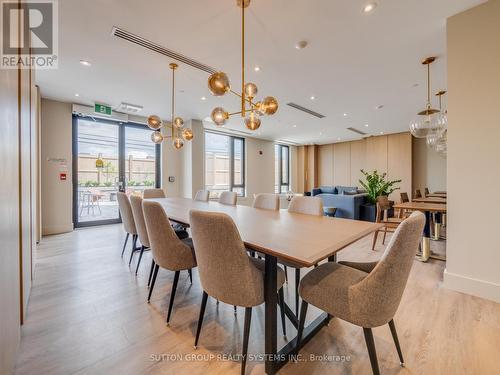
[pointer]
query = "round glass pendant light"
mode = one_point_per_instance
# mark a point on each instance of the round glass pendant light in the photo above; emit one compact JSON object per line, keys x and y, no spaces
{"x":219,"y":116}
{"x":156,"y":137}
{"x":178,"y":143}
{"x":270,"y":105}
{"x":187,"y":134}
{"x":154,"y":122}
{"x":251,"y":90}
{"x":218,"y":83}
{"x":178,"y":122}
{"x":252,"y":121}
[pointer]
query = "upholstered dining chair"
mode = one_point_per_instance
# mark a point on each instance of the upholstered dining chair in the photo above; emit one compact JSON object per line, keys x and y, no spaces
{"x":307,"y":206}
{"x":169,"y":252}
{"x":153,"y":193}
{"x":365,"y":294}
{"x":227,"y":272}
{"x":127,"y":220}
{"x":404,"y":199}
{"x":390,"y":223}
{"x":417,"y":194}
{"x":228,"y":198}
{"x":426,"y":192}
{"x":267,"y":201}
{"x":202,"y":196}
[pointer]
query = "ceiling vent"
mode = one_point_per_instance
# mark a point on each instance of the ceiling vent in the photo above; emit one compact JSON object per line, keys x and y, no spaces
{"x":306,"y":110}
{"x":129,"y":108}
{"x":132,"y":38}
{"x":357,"y":131}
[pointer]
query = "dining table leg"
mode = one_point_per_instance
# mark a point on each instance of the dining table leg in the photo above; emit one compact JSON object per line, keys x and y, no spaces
{"x":270,"y":325}
{"x":426,"y":239}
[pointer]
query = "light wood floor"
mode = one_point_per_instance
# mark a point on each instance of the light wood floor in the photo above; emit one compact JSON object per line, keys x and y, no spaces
{"x":88,"y":315}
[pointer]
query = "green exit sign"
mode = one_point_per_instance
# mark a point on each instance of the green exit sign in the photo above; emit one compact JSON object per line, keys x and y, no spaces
{"x":102,"y":109}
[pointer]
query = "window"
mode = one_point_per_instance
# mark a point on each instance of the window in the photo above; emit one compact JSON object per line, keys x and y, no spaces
{"x":281,"y":169}
{"x":224,"y":164}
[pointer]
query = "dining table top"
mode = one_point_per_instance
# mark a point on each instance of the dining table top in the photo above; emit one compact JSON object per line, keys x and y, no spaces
{"x":298,"y":238}
{"x":430,"y":200}
{"x":422,"y":206}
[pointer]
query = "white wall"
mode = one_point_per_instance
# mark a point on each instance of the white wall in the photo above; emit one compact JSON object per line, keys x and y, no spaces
{"x":429,"y":167}
{"x":474,"y":151}
{"x":56,"y":143}
{"x":192,"y":158}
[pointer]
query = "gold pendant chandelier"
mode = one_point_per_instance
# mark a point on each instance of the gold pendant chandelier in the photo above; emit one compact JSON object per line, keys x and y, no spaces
{"x":219,"y":85}
{"x":178,"y":133}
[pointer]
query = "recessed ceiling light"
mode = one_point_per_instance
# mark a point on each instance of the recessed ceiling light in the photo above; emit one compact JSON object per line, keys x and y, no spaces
{"x":369,"y":7}
{"x":85,"y":63}
{"x":77,"y":95}
{"x":345,"y":114}
{"x":313,"y":97}
{"x":382,"y":133}
{"x":301,"y":45}
{"x":367,"y":125}
{"x":379,"y":106}
{"x":320,"y":133}
{"x":295,"y":126}
{"x":257,"y":68}
{"x":338,"y":139}
{"x":203,"y":98}
{"x":415,"y":85}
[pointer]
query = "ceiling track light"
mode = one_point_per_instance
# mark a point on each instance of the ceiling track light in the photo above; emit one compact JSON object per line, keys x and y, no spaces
{"x":219,"y":85}
{"x":177,"y":133}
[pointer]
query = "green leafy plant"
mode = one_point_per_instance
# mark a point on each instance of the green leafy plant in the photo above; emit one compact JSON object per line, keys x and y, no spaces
{"x":376,"y":185}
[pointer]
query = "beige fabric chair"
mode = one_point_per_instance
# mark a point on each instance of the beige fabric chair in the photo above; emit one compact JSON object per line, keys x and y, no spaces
{"x":390,"y":223}
{"x":307,"y":206}
{"x":154,"y":193}
{"x":202,"y":196}
{"x":267,"y":201}
{"x":228,"y":198}
{"x":127,"y":220}
{"x":226,"y":271}
{"x":140,"y":223}
{"x":168,"y":250}
{"x":365,"y":294}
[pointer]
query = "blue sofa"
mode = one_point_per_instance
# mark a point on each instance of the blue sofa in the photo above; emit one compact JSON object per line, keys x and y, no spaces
{"x":347,"y":200}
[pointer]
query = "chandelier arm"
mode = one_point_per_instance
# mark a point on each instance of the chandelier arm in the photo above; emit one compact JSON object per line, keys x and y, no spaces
{"x":240,"y":96}
{"x":234,"y":113}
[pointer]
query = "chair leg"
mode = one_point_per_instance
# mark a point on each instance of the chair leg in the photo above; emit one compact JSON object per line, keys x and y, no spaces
{"x":370,"y":344}
{"x":125,"y":243}
{"x":151,"y":271}
{"x":235,"y":311}
{"x":190,"y":271}
{"x":246,"y":334}
{"x":297,"y":282}
{"x":281,"y":301}
{"x":286,"y":275}
{"x":155,"y":273}
{"x":374,"y":240}
{"x":139,"y":260}
{"x":172,"y":295}
{"x":134,"y":244}
{"x":396,"y":342}
{"x":300,"y":329}
{"x":385,"y":234}
{"x":200,"y":318}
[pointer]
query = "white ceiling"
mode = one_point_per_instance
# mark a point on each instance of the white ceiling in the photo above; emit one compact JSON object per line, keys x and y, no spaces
{"x":353,"y":63}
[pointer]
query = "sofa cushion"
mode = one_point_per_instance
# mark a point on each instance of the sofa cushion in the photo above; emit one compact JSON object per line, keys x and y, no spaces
{"x":341,"y":189}
{"x":328,"y":190}
{"x":350,"y":192}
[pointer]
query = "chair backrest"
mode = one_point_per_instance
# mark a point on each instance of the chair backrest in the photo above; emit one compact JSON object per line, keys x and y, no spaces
{"x":306,"y":205}
{"x":154,"y":193}
{"x":404,"y":198}
{"x":228,"y":198}
{"x":418,"y":194}
{"x":202,"y":195}
{"x":383,"y":205}
{"x":126,"y":213}
{"x":225,"y":269}
{"x":426,"y":191}
{"x":267,"y":201}
{"x":168,"y":251}
{"x":376,"y":298}
{"x":140,"y":223}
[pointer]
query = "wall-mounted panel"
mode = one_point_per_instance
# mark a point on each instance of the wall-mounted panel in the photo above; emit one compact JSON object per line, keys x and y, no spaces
{"x":358,"y":161}
{"x":399,"y":162}
{"x":342,"y":163}
{"x":325,"y":165}
{"x":376,"y":154}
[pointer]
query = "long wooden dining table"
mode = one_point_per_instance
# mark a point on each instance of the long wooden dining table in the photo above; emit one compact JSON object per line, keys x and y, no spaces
{"x":304,"y":240}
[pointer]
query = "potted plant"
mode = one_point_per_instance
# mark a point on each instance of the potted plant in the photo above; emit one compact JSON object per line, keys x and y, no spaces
{"x":375,"y":185}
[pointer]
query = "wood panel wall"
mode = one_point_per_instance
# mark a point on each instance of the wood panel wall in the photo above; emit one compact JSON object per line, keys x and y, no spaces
{"x":340,"y":163}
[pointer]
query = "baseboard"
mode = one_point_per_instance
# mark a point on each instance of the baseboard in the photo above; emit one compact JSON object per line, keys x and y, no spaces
{"x":469,"y":285}
{"x":57,"y":229}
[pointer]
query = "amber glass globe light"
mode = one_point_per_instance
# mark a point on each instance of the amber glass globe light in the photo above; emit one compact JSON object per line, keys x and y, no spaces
{"x":156,"y":137}
{"x":187,"y":134}
{"x":269,"y":105}
{"x":154,"y":122}
{"x":178,"y":143}
{"x":252,"y":121}
{"x":178,"y":122}
{"x":219,"y":116}
{"x":218,"y":83}
{"x":251,"y":90}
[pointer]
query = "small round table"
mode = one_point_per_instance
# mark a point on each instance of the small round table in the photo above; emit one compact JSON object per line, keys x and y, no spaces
{"x":330,"y":211}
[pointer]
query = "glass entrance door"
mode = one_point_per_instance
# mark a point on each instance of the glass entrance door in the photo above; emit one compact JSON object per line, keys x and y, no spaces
{"x":109,"y":157}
